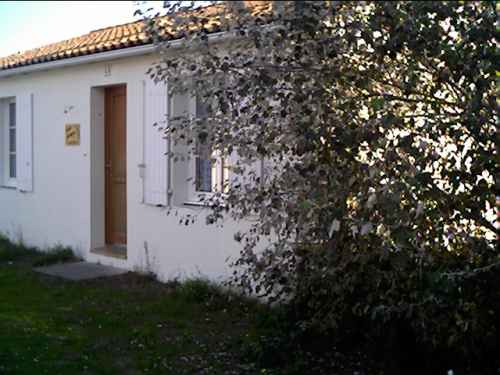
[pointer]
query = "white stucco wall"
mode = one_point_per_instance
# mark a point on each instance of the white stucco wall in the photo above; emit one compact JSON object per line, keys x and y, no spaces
{"x":58,"y":211}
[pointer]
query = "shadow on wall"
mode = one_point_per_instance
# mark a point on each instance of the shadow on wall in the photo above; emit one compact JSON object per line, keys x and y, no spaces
{"x":148,"y":263}
{"x":150,"y":266}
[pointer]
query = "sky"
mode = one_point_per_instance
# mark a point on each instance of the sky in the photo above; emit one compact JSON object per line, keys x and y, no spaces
{"x":30,"y":24}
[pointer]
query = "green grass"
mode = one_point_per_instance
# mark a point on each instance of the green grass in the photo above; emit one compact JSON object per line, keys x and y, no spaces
{"x":122,"y":325}
{"x":132,"y":324}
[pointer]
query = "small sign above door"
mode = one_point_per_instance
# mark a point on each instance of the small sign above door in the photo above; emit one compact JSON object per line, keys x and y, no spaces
{"x":72,"y":132}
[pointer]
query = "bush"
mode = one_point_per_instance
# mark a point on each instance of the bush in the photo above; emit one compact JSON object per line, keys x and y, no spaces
{"x":57,"y":254}
{"x":10,"y":252}
{"x":204,"y":292}
{"x":271,"y":344}
{"x":197,"y":290}
{"x":406,"y":308}
{"x":374,"y":124}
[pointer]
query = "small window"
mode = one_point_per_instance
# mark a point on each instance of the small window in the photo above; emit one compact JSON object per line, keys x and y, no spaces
{"x":12,"y":141}
{"x":212,"y":171}
{"x":8,"y":147}
{"x":211,"y":167}
{"x":203,"y":169}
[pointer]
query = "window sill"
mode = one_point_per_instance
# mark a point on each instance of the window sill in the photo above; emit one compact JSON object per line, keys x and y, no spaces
{"x":197,"y":203}
{"x":206,"y":202}
{"x":154,"y":205}
{"x":8,"y":187}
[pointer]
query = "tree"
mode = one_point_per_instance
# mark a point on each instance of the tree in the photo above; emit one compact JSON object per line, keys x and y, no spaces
{"x":376,"y":126}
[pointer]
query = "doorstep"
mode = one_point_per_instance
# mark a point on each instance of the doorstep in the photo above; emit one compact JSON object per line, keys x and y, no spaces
{"x":80,"y":271}
{"x":113,"y":251}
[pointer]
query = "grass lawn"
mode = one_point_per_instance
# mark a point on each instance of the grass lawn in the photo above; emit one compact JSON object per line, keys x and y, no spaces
{"x":130,"y":324}
{"x":122,"y":325}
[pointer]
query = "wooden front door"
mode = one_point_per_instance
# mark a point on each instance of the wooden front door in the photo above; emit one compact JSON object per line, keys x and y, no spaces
{"x":116,"y":165}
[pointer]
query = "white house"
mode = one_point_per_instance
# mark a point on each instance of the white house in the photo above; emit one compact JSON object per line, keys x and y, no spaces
{"x":81,"y":165}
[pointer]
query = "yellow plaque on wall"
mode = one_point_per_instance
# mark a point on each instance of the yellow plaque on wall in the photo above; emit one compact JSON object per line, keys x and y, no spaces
{"x":72,"y":132}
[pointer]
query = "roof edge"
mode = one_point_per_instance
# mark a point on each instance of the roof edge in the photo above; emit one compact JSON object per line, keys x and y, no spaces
{"x":102,"y":56}
{"x":80,"y":60}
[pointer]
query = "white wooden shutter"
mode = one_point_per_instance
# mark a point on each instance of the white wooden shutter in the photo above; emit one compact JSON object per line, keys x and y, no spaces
{"x":24,"y":142}
{"x":4,"y":156}
{"x":155,"y":144}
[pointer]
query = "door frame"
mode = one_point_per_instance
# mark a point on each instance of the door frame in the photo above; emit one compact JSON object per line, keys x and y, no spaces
{"x":109,"y":237}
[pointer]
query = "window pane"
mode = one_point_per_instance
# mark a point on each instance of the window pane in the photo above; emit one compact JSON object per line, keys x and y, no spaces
{"x":203,"y":174}
{"x":203,"y":168}
{"x":12,"y":166}
{"x":225,"y":176}
{"x":12,"y":140}
{"x":12,"y":115}
{"x":201,"y":108}
{"x":204,"y":165}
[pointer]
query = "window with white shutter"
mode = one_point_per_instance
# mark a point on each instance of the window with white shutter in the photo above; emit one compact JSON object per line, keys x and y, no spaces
{"x":210,"y":167}
{"x":155,"y":173}
{"x":11,"y":148}
{"x":16,"y":142}
{"x":8,"y":163}
{"x":24,"y":142}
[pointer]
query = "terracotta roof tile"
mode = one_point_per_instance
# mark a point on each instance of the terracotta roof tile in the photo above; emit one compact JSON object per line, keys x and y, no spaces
{"x":109,"y":38}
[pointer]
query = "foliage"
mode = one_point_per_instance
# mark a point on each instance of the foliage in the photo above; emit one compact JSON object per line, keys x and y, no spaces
{"x":10,"y":252}
{"x":199,"y":290}
{"x":376,"y":125}
{"x":205,"y":292}
{"x":56,"y":254}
